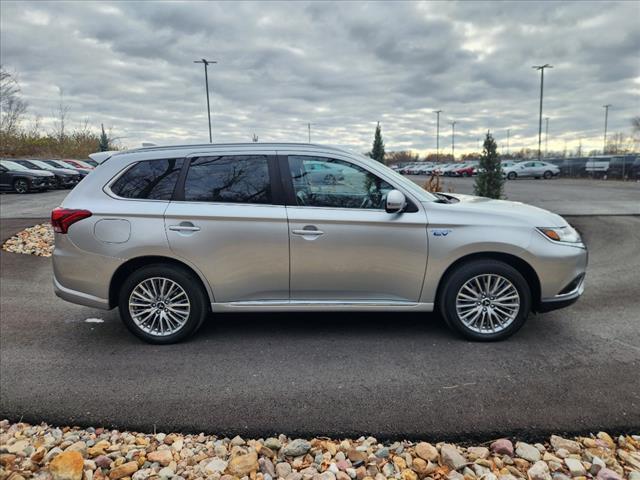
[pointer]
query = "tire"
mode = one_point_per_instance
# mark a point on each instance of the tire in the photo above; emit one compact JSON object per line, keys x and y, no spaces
{"x":547,"y":175}
{"x":454,"y":292}
{"x":512,"y":175}
{"x":21,"y":185}
{"x":197,"y":309}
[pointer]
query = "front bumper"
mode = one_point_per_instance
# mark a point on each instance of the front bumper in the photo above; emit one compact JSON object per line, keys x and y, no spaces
{"x":562,"y":300}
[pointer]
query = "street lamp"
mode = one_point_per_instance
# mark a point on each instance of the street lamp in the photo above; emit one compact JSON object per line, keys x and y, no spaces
{"x":546,"y":136}
{"x":437,"y":112}
{"x":606,"y":118}
{"x":453,"y":140}
{"x":206,"y":83}
{"x":541,"y":68}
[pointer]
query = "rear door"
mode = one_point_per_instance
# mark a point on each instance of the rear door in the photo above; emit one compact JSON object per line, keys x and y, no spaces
{"x":345,"y":248}
{"x":228,"y":219}
{"x":5,"y":180}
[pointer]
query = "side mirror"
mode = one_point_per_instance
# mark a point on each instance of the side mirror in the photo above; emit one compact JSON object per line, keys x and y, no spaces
{"x":396,"y":202}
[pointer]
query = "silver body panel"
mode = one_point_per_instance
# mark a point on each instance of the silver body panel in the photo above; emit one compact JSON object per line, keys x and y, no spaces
{"x":260,"y":257}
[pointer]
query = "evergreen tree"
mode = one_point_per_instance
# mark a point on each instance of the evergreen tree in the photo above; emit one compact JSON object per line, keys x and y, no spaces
{"x":377,"y":152}
{"x":489,"y":181}
{"x":104,"y":141}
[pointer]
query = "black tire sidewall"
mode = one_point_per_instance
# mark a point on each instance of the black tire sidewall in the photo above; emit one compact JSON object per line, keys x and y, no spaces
{"x":512,"y":176}
{"x":192,"y":287}
{"x":547,"y":175}
{"x":464,"y":272}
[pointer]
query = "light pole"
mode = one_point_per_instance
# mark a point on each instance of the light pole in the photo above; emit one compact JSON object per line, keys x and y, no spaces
{"x":437,"y":112}
{"x":541,"y":68}
{"x":206,"y":84}
{"x":453,"y":140}
{"x":546,"y":136}
{"x":606,"y":118}
{"x":508,"y":133}
{"x":309,"y":130}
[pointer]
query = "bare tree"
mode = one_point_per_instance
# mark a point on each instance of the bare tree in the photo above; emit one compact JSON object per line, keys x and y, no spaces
{"x":12,"y":107}
{"x":61,"y":117}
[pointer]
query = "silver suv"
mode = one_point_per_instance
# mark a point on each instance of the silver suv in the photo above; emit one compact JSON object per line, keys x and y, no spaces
{"x":171,"y":234}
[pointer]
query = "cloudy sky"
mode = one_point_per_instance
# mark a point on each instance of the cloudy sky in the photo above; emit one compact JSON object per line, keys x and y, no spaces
{"x":339,"y":66}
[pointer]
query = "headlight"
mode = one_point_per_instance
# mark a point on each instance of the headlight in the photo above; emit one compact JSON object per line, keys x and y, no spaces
{"x":566,"y":234}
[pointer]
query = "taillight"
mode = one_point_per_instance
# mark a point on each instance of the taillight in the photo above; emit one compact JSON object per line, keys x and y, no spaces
{"x":63,"y":218}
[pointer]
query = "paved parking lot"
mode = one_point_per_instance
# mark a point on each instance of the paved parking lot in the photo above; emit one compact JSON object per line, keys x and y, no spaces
{"x":391,"y":375}
{"x":566,"y":196}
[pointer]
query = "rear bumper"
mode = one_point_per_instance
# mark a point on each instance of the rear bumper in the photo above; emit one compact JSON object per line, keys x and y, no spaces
{"x":79,"y":298}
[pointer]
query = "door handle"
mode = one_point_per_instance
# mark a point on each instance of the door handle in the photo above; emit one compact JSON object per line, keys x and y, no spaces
{"x":309,"y":230}
{"x":184,"y":227}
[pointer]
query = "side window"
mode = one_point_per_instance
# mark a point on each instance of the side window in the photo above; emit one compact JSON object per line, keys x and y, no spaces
{"x":229,"y":179}
{"x":149,"y":179}
{"x":326,"y":182}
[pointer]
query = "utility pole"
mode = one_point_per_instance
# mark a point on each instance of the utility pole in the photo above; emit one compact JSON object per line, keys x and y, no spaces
{"x":309,"y":129}
{"x":437,"y":112}
{"x":453,"y":140}
{"x":546,"y":136}
{"x":206,"y":83}
{"x":508,"y":133}
{"x":541,"y":68}
{"x":606,"y":119}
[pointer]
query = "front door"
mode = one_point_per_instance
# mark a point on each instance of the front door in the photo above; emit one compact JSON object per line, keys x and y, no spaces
{"x":227,"y":223}
{"x":344,"y":246}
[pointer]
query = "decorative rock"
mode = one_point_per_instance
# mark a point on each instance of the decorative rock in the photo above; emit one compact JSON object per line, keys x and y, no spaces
{"x":528,"y":452}
{"x":569,"y":445}
{"x":607,"y":474}
{"x":283,"y":469}
{"x":596,"y":465}
{"x":103,"y":461}
{"x":357,"y":455}
{"x":342,"y":476}
{"x":408,"y":475}
{"x":452,"y":457}
{"x":502,"y":446}
{"x":575,"y":467}
{"x":266,"y":467}
{"x":18,"y":447}
{"x":163,"y":457}
{"x":539,"y":470}
{"x":217,"y":465}
{"x":241,"y":465}
{"x":426,"y":451}
{"x":478,"y":452}
{"x":67,"y":466}
{"x":273,"y":443}
{"x":296,"y":448}
{"x":453,"y":475}
{"x":124,"y":470}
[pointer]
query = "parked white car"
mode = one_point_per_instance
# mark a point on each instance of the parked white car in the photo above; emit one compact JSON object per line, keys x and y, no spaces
{"x":533,"y":169}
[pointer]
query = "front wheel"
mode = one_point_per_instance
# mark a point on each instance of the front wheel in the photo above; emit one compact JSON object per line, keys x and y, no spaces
{"x":485,"y":300}
{"x":162,"y":303}
{"x":21,"y":185}
{"x":547,"y":175}
{"x":512,"y":175}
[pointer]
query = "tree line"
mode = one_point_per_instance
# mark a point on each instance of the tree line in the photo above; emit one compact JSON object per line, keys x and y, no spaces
{"x":19,"y":138}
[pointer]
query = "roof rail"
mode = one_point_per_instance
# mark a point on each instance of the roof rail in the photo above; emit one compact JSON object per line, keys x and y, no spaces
{"x":240,"y":144}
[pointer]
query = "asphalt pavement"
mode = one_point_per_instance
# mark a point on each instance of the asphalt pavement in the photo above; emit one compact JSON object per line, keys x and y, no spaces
{"x":394,"y":375}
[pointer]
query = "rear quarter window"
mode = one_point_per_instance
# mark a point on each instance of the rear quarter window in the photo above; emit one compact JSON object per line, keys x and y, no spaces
{"x":150,"y":180}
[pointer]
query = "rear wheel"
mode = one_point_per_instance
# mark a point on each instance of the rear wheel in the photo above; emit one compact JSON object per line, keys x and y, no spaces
{"x":512,"y":175}
{"x":162,"y":303}
{"x":21,"y":185}
{"x":485,"y":300}
{"x":547,"y":175}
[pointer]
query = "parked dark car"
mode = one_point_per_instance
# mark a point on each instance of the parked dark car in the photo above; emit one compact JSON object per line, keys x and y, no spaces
{"x":14,"y":176}
{"x":65,"y":178}
{"x":60,"y":164}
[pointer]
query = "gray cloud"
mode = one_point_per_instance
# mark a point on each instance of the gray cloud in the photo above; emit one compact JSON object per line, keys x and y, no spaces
{"x":340,"y":66}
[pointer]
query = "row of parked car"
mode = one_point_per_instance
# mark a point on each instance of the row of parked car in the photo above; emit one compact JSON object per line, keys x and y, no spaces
{"x":604,"y":166}
{"x":510,"y":169}
{"x":38,"y":175}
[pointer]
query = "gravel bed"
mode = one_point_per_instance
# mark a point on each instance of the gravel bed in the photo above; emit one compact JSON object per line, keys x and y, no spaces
{"x":36,"y":240}
{"x":46,"y":452}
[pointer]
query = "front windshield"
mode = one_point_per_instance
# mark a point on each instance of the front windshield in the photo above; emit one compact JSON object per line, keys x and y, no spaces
{"x":13,"y":165}
{"x":42,"y":164}
{"x":397,"y":178}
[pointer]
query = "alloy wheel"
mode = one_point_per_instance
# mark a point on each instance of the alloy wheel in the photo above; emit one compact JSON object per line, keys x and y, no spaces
{"x":21,"y":186}
{"x":487,"y":303}
{"x":159,"y":306}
